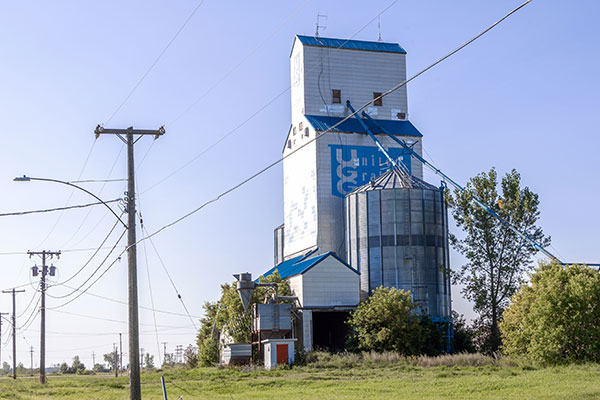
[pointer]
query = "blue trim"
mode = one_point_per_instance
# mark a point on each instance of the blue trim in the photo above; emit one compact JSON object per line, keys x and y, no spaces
{"x":399,"y":128}
{"x":301,"y":264}
{"x":351,"y":44}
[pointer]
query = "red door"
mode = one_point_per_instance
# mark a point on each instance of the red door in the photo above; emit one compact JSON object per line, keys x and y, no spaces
{"x":282,"y":354}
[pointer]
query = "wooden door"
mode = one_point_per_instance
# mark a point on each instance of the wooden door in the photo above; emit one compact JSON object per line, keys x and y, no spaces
{"x":282,"y":354}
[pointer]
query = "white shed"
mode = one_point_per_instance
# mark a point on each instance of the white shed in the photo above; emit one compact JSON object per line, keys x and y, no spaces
{"x":327,"y":289}
{"x":278,"y":351}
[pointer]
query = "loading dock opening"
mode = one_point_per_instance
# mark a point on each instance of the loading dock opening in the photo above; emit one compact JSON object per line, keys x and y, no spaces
{"x":330,"y":330}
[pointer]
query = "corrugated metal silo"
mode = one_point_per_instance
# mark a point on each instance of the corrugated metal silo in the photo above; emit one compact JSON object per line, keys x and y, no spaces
{"x":397,"y":237}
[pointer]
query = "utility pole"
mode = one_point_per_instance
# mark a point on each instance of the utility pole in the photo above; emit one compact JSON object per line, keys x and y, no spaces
{"x":1,"y":314}
{"x":126,"y":135}
{"x":120,"y":353}
{"x":164,"y":350}
{"x":179,"y":354}
{"x":14,"y":326}
{"x":142,"y":358}
{"x":93,"y":359}
{"x":31,"y":355}
{"x":115,"y":360}
{"x":44,"y":254}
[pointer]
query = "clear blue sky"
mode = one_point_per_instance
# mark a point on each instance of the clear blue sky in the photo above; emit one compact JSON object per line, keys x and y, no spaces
{"x":525,"y":96}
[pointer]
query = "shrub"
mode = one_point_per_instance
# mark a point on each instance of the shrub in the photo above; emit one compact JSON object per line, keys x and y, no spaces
{"x":556,"y":318}
{"x":386,"y":321}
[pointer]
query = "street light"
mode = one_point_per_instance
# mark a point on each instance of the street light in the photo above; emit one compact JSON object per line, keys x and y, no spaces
{"x":26,"y":178}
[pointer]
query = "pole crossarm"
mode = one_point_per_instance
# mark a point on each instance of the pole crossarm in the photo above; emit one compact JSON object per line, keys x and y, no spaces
{"x":127,"y":136}
{"x":100,"y":130}
{"x":26,"y":178}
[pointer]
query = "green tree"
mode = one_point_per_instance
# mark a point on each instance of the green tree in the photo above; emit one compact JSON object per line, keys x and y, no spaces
{"x":64,"y":368}
{"x":77,"y":366}
{"x":99,"y":368}
{"x":463,"y":334}
{"x":148,"y":361}
{"x":556,"y":318}
{"x":190,"y":355}
{"x":386,"y":321}
{"x":168,"y":360}
{"x":228,"y":313}
{"x":6,"y":368}
{"x":497,"y":258}
{"x":112,"y":359}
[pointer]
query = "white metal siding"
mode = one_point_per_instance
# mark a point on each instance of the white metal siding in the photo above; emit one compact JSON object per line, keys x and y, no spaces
{"x":330,"y":283}
{"x":296,"y":287}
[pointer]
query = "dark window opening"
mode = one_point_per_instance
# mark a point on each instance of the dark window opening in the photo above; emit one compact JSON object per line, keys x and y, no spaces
{"x":336,"y":96}
{"x":378,"y":100}
{"x":330,"y":330}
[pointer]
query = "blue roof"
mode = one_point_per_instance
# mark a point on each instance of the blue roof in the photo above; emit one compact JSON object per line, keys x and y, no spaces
{"x":301,"y":264}
{"x":400,"y":128}
{"x":351,"y":44}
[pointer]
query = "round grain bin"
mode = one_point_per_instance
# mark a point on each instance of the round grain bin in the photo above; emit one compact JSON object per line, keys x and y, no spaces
{"x":396,"y":231}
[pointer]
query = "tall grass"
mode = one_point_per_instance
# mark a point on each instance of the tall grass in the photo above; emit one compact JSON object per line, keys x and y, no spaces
{"x":324,"y":360}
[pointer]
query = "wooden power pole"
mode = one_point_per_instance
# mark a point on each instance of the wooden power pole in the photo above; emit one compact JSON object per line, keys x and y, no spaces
{"x":45,"y":255}
{"x":127,"y":136}
{"x":14,"y":327}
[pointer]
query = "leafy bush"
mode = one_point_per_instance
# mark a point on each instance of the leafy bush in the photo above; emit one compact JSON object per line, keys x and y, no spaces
{"x":463,"y":334}
{"x":556,"y":318}
{"x":208,"y":352}
{"x":386,"y":321}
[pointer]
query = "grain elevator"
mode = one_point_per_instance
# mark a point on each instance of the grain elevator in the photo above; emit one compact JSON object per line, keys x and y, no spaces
{"x":351,"y":187}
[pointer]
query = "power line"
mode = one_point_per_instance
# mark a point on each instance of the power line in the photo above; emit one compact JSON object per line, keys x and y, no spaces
{"x":96,"y":270}
{"x":139,"y":82}
{"x":99,"y":193}
{"x":109,"y":319}
{"x":125,"y":303}
{"x":262,"y":108}
{"x":85,"y":163}
{"x":55,"y":209}
{"x":330,"y":129}
{"x":149,"y":282}
{"x":30,"y":303}
{"x":92,"y":257}
{"x":92,"y":284}
{"x":100,"y":180}
{"x":224,"y":76}
{"x":170,"y":279}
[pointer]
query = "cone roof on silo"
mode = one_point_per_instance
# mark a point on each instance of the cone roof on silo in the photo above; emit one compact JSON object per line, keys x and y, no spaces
{"x":394,"y":179}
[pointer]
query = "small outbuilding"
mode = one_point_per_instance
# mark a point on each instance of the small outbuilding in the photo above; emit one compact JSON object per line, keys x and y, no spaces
{"x":278,"y":352}
{"x":327,"y":289}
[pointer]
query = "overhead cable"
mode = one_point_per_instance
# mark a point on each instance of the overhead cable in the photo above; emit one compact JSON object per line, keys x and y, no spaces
{"x":330,"y":129}
{"x":258,"y":111}
{"x":91,"y":257}
{"x":224,"y":76}
{"x":93,"y":273}
{"x":85,"y":163}
{"x":16,"y":213}
{"x":164,"y":50}
{"x":171,"y":280}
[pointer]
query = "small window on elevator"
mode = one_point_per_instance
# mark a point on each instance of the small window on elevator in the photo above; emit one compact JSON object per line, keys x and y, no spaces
{"x":378,"y":100}
{"x":336,"y":96}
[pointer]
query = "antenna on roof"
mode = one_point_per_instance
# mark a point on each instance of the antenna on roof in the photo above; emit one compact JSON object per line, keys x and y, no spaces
{"x":323,"y":27}
{"x":379,"y":27}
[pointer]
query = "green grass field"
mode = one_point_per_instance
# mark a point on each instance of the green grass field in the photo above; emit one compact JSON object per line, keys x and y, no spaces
{"x":374,"y":382}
